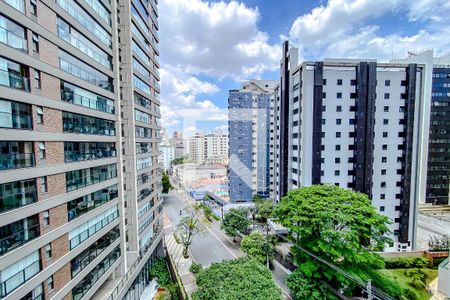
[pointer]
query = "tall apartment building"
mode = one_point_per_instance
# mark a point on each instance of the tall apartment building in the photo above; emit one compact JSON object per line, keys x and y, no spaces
{"x":177,"y":142}
{"x":249,"y":128}
{"x":80,"y":206}
{"x":437,"y":87}
{"x":202,"y":148}
{"x":361,"y":125}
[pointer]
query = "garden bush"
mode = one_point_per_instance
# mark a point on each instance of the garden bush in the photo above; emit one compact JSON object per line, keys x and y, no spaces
{"x":195,"y":268}
{"x":407,"y":262}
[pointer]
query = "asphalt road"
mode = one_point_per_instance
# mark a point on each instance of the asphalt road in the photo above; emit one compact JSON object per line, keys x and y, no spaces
{"x":212,"y":245}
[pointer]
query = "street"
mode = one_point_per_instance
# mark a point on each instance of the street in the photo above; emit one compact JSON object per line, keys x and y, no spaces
{"x":212,"y":245}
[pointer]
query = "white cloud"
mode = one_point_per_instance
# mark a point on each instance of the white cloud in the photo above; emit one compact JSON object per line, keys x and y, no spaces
{"x":217,"y":39}
{"x":342,"y":28}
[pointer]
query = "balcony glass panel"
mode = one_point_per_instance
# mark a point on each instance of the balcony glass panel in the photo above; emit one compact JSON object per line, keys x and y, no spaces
{"x":137,"y":66}
{"x":15,"y":115}
{"x":140,"y":53}
{"x":82,"y":205}
{"x":86,"y":284}
{"x":142,"y":132}
{"x":140,"y":37}
{"x":17,"y":194}
{"x":140,"y":21}
{"x":87,"y":125}
{"x":76,"y":39}
{"x":14,"y":155}
{"x":18,"y":233}
{"x":82,"y":97}
{"x":88,"y":229}
{"x":17,"y":4}
{"x":100,"y":9}
{"x":81,"y":178}
{"x":76,"y":67}
{"x":12,"y":34}
{"x":138,"y":83}
{"x":142,"y":101}
{"x":80,"y":151}
{"x":36,"y":294}
{"x":144,"y":193}
{"x":77,"y":12}
{"x":142,"y":116}
{"x":142,"y":163}
{"x":87,"y":256}
{"x":146,"y":222}
{"x":18,"y":273}
{"x":143,"y":178}
{"x":14,"y":75}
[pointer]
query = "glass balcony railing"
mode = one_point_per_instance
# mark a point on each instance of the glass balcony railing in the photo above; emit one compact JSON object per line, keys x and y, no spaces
{"x":13,"y":282}
{"x":12,"y":201}
{"x":86,"y":284}
{"x":14,"y":80}
{"x":81,"y":208}
{"x":144,"y":194}
{"x":87,"y":102}
{"x":81,"y":182}
{"x":10,"y":120}
{"x":87,"y":256}
{"x":83,"y":74}
{"x":17,"y":4}
{"x":18,"y":239}
{"x":16,"y":161}
{"x":13,"y":40}
{"x":71,"y":156}
{"x":100,"y":10}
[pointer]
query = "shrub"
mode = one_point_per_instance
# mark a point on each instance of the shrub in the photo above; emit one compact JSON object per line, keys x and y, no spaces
{"x":407,"y":262}
{"x":386,"y":283}
{"x":195,"y":268}
{"x":410,"y":294}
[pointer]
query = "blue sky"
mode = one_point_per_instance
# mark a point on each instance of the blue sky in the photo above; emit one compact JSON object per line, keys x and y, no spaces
{"x":210,"y":47}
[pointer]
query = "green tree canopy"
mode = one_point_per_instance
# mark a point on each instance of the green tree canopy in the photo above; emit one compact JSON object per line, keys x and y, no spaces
{"x":179,"y":160}
{"x":243,"y":279}
{"x":264,"y":208}
{"x":167,"y":186}
{"x":338,"y":225}
{"x":256,"y":246}
{"x":235,"y":222}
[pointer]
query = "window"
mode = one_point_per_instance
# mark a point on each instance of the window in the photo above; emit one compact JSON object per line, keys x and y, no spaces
{"x":383,"y":184}
{"x":352,"y":121}
{"x":337,"y":160}
{"x":323,"y":121}
{"x":44,"y":184}
{"x":381,"y":208}
{"x":384,"y":159}
{"x":15,"y":115}
{"x":386,"y":95}
{"x":337,"y":172}
{"x":337,"y":147}
{"x":37,"y":79}
{"x":46,"y":218}
{"x":387,"y":82}
{"x":324,"y":82}
{"x":386,"y":109}
{"x":324,"y":108}
{"x":382,"y":196}
{"x":35,"y":42}
{"x":384,"y":147}
{"x":338,"y":121}
{"x":338,"y":134}
{"x":385,"y":134}
{"x":33,"y":7}
{"x":41,"y":150}
{"x":40,"y":115}
{"x":383,"y":172}
{"x":339,"y":82}
{"x":353,"y":82}
{"x":385,"y":121}
{"x":324,"y":95}
{"x":50,"y":284}
{"x":48,"y":251}
{"x":339,"y":95}
{"x":338,"y":108}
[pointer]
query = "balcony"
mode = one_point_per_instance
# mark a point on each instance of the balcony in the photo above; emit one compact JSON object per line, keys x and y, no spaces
{"x":17,"y":238}
{"x":12,"y":39}
{"x":81,"y":182}
{"x":16,"y":161}
{"x":13,"y":120}
{"x":16,"y":200}
{"x":14,"y":80}
{"x":72,"y":156}
{"x":13,"y":282}
{"x":17,"y":4}
{"x":83,"y":205}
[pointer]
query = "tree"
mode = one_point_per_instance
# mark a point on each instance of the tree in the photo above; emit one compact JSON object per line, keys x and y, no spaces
{"x":258,"y":246}
{"x":338,"y":225}
{"x":179,"y":160}
{"x":167,"y":186}
{"x":243,"y":279}
{"x":189,"y":227}
{"x":264,"y":208}
{"x":235,"y":222}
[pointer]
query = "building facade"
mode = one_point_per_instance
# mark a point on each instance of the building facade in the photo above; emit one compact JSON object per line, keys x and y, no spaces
{"x":249,"y":128}
{"x":204,"y":148}
{"x":167,"y":153}
{"x":360,"y":125}
{"x":80,"y":204}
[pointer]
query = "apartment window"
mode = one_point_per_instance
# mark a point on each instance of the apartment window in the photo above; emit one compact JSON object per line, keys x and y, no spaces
{"x":46,"y":218}
{"x":44,"y":188}
{"x":353,"y":82}
{"x":337,"y":172}
{"x":339,"y":82}
{"x":381,"y":208}
{"x":324,"y":82}
{"x":324,"y":95}
{"x":337,"y":147}
{"x":337,"y":160}
{"x":384,"y":159}
{"x":385,"y":134}
{"x":14,"y":75}
{"x":323,"y":121}
{"x":384,"y":147}
{"x":387,"y":82}
{"x":37,"y":79}
{"x":15,"y":115}
{"x":18,"y":273}
{"x":383,"y":172}
{"x":338,"y":108}
{"x":382,"y":196}
{"x":40,"y":115}
{"x":339,"y":95}
{"x":386,"y":108}
{"x":338,"y":134}
{"x":324,"y":108}
{"x":35,"y":42}
{"x":48,"y":251}
{"x":41,"y":150}
{"x":385,"y":121}
{"x":386,"y":95}
{"x":33,"y":7}
{"x":87,"y":125}
{"x":383,"y":184}
{"x":338,"y":121}
{"x":50,"y":284}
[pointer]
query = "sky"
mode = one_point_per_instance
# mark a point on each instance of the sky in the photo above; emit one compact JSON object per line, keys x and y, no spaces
{"x":210,"y":47}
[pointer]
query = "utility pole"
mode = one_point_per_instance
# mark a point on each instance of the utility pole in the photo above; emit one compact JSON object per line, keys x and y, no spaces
{"x":369,"y":290}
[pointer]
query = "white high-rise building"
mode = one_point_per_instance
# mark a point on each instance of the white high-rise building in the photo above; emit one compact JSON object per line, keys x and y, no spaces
{"x":201,"y":148}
